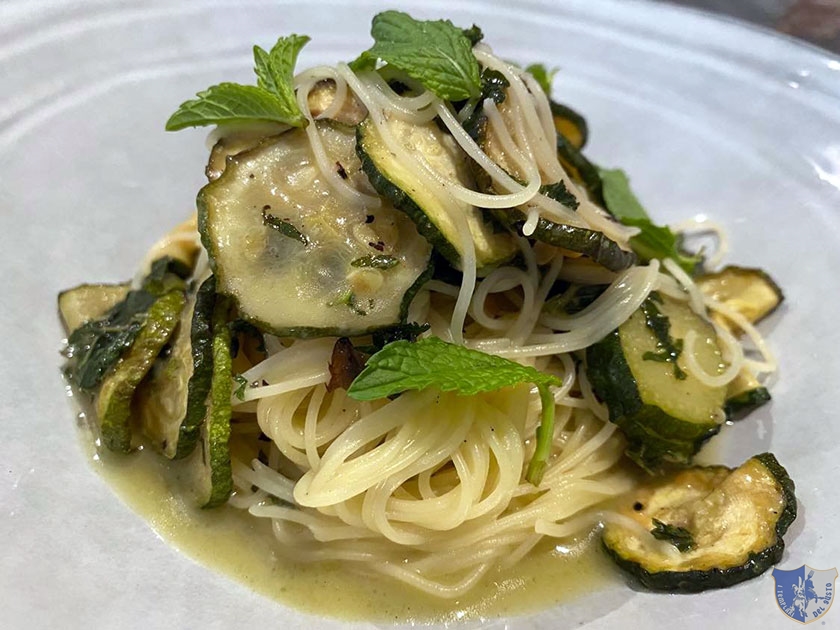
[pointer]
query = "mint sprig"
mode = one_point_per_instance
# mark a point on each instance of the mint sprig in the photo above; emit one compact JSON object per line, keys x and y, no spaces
{"x":271,"y":100}
{"x":654,"y":241}
{"x":431,"y":362}
{"x":434,"y":52}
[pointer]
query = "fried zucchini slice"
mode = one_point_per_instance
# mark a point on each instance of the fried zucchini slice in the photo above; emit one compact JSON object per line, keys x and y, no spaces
{"x":704,"y":527}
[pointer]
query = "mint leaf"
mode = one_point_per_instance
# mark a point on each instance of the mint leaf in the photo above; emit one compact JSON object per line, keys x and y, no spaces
{"x":542,"y":75}
{"x":653,"y":241}
{"x":227,"y":103}
{"x":434,"y":52}
{"x":620,"y":200}
{"x":271,"y":100}
{"x":275,"y":70}
{"x":431,"y":362}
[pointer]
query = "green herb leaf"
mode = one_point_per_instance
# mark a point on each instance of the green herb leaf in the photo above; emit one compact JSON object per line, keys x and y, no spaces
{"x":653,"y":241}
{"x":542,"y":75}
{"x":242,"y":385}
{"x":680,"y":537}
{"x":434,"y":52}
{"x":284,"y":227}
{"x":271,"y":100}
{"x":376,"y":261}
{"x":431,"y":362}
{"x":668,"y":349}
{"x":231,"y":103}
{"x":275,"y":71}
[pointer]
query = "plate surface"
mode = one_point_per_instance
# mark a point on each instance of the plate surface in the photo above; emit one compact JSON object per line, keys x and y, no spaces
{"x":708,"y":117}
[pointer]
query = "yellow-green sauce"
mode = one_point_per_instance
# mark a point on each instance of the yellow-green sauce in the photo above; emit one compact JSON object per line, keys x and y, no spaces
{"x":242,"y":546}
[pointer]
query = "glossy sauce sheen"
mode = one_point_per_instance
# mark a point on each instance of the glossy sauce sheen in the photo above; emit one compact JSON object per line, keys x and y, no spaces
{"x":231,"y":541}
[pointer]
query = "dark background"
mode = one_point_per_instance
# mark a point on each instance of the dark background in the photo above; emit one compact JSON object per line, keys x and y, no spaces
{"x":816,"y":21}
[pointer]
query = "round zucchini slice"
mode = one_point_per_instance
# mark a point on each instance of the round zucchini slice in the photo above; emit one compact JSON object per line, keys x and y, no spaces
{"x":297,"y":258}
{"x":704,"y":527}
{"x":638,"y":371}
{"x":749,"y":291}
{"x":433,"y":215}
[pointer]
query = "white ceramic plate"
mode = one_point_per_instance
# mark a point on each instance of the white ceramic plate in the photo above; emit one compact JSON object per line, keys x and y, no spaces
{"x":707,"y":116}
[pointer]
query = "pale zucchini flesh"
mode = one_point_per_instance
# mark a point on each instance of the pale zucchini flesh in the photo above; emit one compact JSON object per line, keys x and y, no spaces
{"x":87,"y":302}
{"x":748,"y":291}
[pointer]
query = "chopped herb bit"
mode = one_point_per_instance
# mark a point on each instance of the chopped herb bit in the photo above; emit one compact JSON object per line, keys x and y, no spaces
{"x":284,"y":227}
{"x":242,"y":385}
{"x":376,"y":261}
{"x":493,"y":86}
{"x":473,"y":33}
{"x":342,"y":173}
{"x":680,"y":537}
{"x":350,"y":300}
{"x":668,"y":349}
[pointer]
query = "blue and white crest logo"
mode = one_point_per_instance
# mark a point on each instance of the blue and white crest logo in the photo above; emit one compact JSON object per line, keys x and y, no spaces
{"x":805,"y":594}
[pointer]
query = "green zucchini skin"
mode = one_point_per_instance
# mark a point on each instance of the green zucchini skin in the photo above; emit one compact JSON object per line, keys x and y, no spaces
{"x":564,"y":115}
{"x":402,"y":201}
{"x":746,"y":402}
{"x":595,"y":245}
{"x":201,"y":340}
{"x":653,"y":436}
{"x":218,"y":479}
{"x":113,"y":402}
{"x":581,"y":170}
{"x":500,"y":246}
{"x":698,"y":581}
{"x":590,"y":243}
{"x":757,"y":563}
